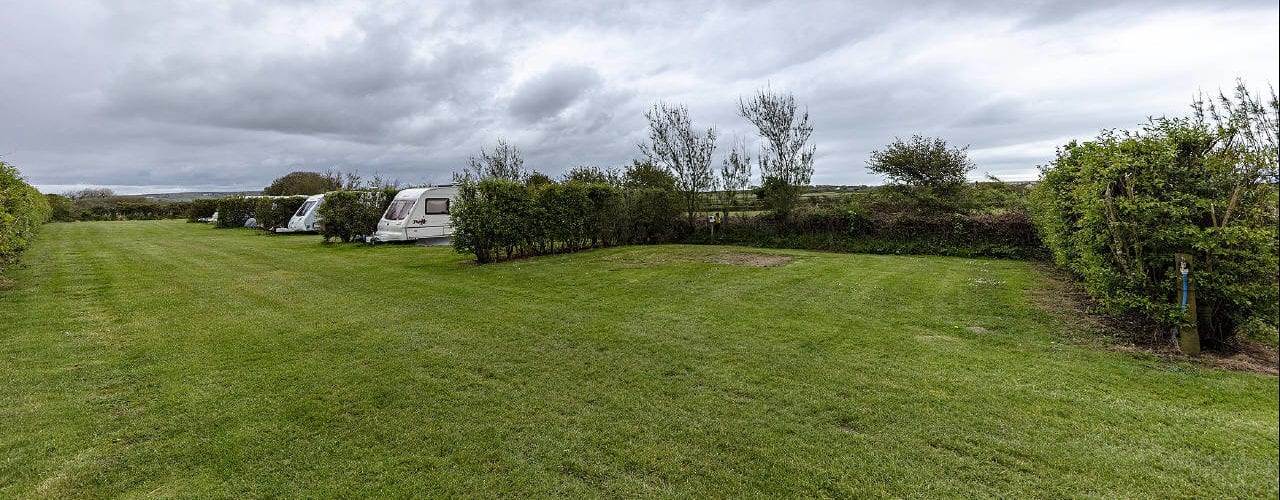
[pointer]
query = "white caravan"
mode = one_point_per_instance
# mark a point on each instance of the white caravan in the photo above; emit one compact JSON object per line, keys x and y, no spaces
{"x":307,"y":218}
{"x":417,"y":214}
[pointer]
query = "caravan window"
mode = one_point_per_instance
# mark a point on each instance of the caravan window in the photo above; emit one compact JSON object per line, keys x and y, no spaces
{"x":398,"y":210}
{"x":302,"y":210}
{"x":437,"y":206}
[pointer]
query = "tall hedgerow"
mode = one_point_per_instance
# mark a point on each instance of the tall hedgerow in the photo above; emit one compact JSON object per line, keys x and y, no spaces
{"x":275,"y":212}
{"x":233,"y":211}
{"x":1114,"y":210}
{"x":347,"y":214}
{"x":22,"y":210}
{"x":201,"y":208}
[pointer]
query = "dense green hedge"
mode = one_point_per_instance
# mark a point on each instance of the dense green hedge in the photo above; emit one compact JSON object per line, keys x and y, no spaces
{"x":233,"y":211}
{"x":1115,"y":210}
{"x":846,"y":229}
{"x":22,"y":210}
{"x":275,"y":212}
{"x":347,"y":214}
{"x":496,"y":218}
{"x":114,"y":207}
{"x":201,"y":208}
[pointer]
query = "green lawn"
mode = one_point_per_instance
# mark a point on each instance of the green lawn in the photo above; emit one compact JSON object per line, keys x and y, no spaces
{"x":173,"y":359}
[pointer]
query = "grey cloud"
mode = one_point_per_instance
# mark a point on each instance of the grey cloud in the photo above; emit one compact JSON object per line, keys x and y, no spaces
{"x":229,"y":94}
{"x":548,"y":94}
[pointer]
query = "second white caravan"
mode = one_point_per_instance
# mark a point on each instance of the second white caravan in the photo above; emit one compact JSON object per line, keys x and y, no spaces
{"x":307,"y":218}
{"x":417,"y":214}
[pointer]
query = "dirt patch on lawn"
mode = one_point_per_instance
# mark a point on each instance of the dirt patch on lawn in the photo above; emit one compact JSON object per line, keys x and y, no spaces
{"x":751,"y":259}
{"x":1068,"y":300}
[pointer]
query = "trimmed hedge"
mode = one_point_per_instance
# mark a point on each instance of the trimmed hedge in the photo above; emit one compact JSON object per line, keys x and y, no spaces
{"x":347,"y":214}
{"x":271,"y":213}
{"x":499,"y":219}
{"x":201,"y":208}
{"x":1008,"y":234}
{"x":233,"y":211}
{"x":22,"y":210}
{"x":1116,"y":209}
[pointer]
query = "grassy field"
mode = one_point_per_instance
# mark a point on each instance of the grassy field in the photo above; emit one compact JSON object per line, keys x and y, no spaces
{"x":172,"y":359}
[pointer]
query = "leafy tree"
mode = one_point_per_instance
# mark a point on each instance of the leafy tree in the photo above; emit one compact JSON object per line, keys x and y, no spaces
{"x":923,"y":162}
{"x":674,"y":145}
{"x":303,"y":183}
{"x":1115,"y":209}
{"x":593,"y":175}
{"x":646,"y":175}
{"x":786,"y":154}
{"x":505,"y":162}
{"x":536,"y":178}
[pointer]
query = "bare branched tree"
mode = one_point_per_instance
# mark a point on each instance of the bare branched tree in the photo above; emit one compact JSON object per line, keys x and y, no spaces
{"x":504,"y":163}
{"x":674,"y":145}
{"x":786,"y":153}
{"x":735,"y":175}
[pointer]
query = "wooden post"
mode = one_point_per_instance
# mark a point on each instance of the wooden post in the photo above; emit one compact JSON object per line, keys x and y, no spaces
{"x":1189,"y":332}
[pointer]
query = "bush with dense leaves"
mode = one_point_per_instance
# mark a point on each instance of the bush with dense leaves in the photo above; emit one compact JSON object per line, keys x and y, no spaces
{"x":303,"y":183}
{"x":1115,"y":210}
{"x":22,"y":210}
{"x":347,"y":214}
{"x":201,"y":208}
{"x":233,"y":211}
{"x":499,"y":219}
{"x":273,"y":212}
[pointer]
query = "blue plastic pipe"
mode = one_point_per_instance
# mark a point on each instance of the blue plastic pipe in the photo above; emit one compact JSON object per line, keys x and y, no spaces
{"x":1184,"y":292}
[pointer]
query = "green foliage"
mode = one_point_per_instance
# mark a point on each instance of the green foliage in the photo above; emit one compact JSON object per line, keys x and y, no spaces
{"x":61,"y":208}
{"x":303,"y":183}
{"x":271,"y":213}
{"x":779,"y":196}
{"x":685,"y":153}
{"x":233,"y":211}
{"x":786,"y":156}
{"x":22,"y":210}
{"x":497,"y":218}
{"x":923,"y":161}
{"x":646,"y":175}
{"x":346,"y":214}
{"x":201,"y":208}
{"x":1116,"y":209}
{"x":869,"y":228}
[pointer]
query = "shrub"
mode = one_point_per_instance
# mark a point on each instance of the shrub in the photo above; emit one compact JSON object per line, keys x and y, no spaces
{"x":303,"y":183}
{"x":347,"y":214}
{"x":498,"y":218}
{"x":1116,"y":209}
{"x":61,"y":208}
{"x":233,"y":211}
{"x":201,"y":208}
{"x":271,"y":213}
{"x":22,"y":210}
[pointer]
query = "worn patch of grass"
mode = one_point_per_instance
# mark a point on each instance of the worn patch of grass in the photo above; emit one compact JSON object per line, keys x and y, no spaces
{"x":164,"y":358}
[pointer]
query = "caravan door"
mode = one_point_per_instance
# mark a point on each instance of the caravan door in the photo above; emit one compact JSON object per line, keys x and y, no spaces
{"x":432,"y":221}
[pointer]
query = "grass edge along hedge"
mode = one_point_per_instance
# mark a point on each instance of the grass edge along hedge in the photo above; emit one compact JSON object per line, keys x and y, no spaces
{"x":23,"y":209}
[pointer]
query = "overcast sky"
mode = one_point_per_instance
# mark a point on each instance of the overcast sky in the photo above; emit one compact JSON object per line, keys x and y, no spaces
{"x":171,"y":96}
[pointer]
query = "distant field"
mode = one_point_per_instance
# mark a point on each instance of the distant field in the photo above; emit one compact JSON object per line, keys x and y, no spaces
{"x":161,"y":358}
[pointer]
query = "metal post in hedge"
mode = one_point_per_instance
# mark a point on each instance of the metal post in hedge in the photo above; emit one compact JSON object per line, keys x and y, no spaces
{"x":1188,"y":333}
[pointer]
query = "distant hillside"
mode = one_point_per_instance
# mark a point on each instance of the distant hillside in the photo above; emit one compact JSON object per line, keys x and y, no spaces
{"x":196,"y":195}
